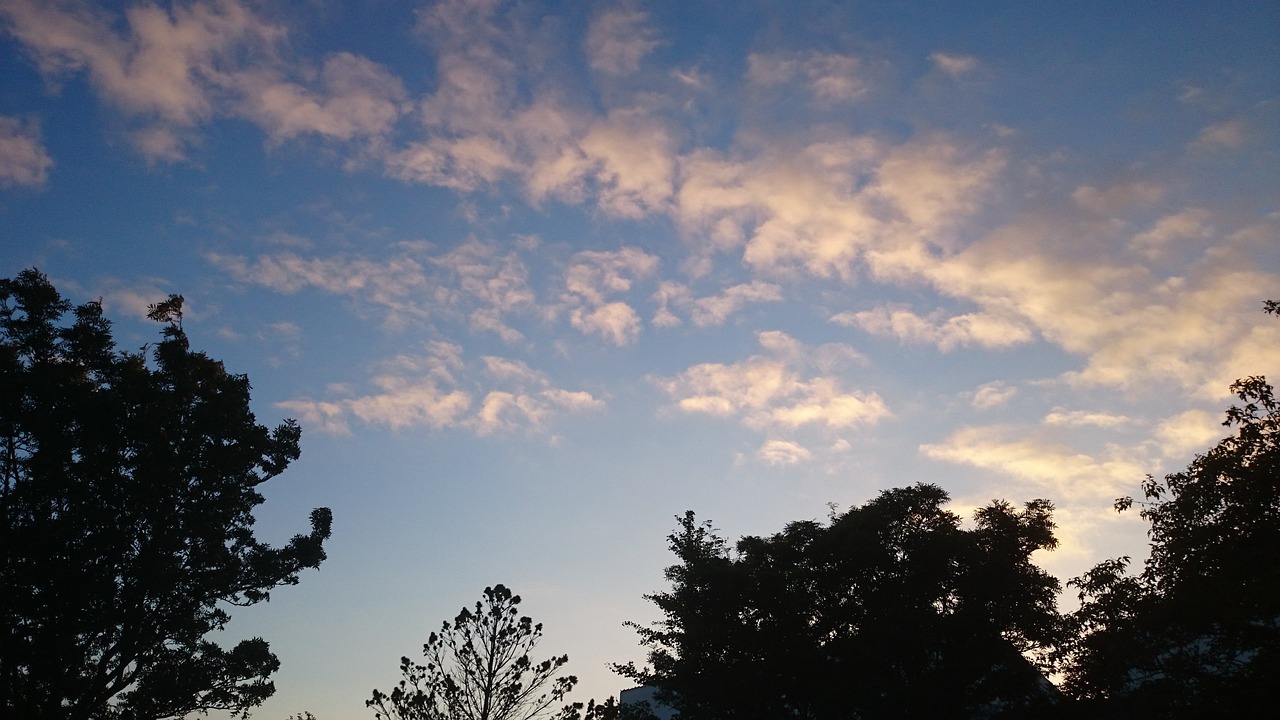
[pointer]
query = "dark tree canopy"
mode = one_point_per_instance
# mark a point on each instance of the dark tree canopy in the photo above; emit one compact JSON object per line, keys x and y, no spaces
{"x":892,"y":609}
{"x":1197,"y":632}
{"x":129,"y":482}
{"x":478,"y":668}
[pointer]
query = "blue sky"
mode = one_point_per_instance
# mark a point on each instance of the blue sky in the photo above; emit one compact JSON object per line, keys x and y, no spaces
{"x":536,"y":277}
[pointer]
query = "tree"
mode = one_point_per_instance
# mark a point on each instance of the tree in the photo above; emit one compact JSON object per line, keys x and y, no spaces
{"x":478,"y":668}
{"x":129,"y":481}
{"x":889,"y":610}
{"x":1197,"y":632}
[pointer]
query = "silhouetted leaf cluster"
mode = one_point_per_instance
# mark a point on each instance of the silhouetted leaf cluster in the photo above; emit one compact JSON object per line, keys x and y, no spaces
{"x":1196,"y":633}
{"x":891,"y":609}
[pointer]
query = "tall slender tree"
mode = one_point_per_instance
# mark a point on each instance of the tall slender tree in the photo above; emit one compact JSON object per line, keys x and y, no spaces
{"x":127,"y":486}
{"x":479,"y":668}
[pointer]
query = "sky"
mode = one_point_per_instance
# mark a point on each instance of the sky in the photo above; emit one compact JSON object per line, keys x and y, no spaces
{"x":536,"y":277}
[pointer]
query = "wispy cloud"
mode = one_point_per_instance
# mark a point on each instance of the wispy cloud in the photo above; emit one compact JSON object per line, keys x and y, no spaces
{"x":970,"y":329}
{"x":954,"y":65}
{"x":618,"y":39}
{"x":829,"y":77}
{"x":1057,"y":469}
{"x":592,"y":279}
{"x":23,"y":158}
{"x":173,"y":69}
{"x":437,"y":390}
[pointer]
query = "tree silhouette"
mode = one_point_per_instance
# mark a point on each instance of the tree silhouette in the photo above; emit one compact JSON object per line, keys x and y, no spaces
{"x":479,"y":668}
{"x":1197,"y":632}
{"x":889,"y":610}
{"x":128,"y":485}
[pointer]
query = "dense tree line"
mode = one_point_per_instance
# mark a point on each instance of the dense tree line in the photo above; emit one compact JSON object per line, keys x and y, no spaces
{"x":894,"y":610}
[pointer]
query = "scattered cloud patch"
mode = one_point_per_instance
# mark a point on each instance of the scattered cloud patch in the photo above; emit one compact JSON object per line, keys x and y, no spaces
{"x":1055,"y":468}
{"x":23,"y":158}
{"x":618,"y":39}
{"x":1085,"y":418}
{"x":972,"y":329}
{"x":783,"y":452}
{"x":993,"y":394}
{"x":953,"y":65}
{"x":773,"y":391}
{"x":438,"y":390}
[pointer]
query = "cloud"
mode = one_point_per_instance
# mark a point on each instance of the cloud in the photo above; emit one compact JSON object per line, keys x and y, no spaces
{"x":716,"y":309}
{"x":618,"y":39}
{"x":993,"y":394}
{"x":710,"y":310}
{"x":1229,"y":135}
{"x":23,"y":159}
{"x":1132,"y":329}
{"x":980,"y":329}
{"x":1189,"y":431}
{"x":830,"y":78}
{"x":1084,"y":418}
{"x":953,"y":65}
{"x":356,"y":97}
{"x":616,"y":322}
{"x":768,"y":391}
{"x":825,"y":206}
{"x":1056,"y":468}
{"x":498,"y":283}
{"x":593,"y":278}
{"x":631,"y":159}
{"x":1117,"y":199}
{"x":171,"y":69}
{"x":395,"y":284}
{"x":438,"y":390}
{"x":1191,"y":224}
{"x":783,"y":452}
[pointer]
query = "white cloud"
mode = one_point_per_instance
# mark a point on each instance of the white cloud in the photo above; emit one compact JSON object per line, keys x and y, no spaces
{"x":498,"y":283}
{"x":357,"y":97}
{"x":436,"y":390}
{"x":397,"y":284}
{"x":783,"y":452}
{"x":992,"y":394}
{"x":772,"y":392}
{"x":1189,"y":431}
{"x":1085,"y":418}
{"x":716,"y":309}
{"x":830,"y":78}
{"x":618,"y":39}
{"x":616,"y":322}
{"x":981,"y":329}
{"x":954,"y":65}
{"x":1191,"y":224}
{"x":631,"y":158}
{"x":1229,"y":135}
{"x":1132,"y":329}
{"x":171,"y":69}
{"x":592,"y":279}
{"x":23,"y":159}
{"x":1117,"y":199}
{"x":1056,"y":468}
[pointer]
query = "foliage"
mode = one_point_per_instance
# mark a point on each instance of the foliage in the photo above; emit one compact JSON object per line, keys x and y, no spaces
{"x":478,"y":668}
{"x":129,"y":481}
{"x":889,"y":610}
{"x":1197,"y":631}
